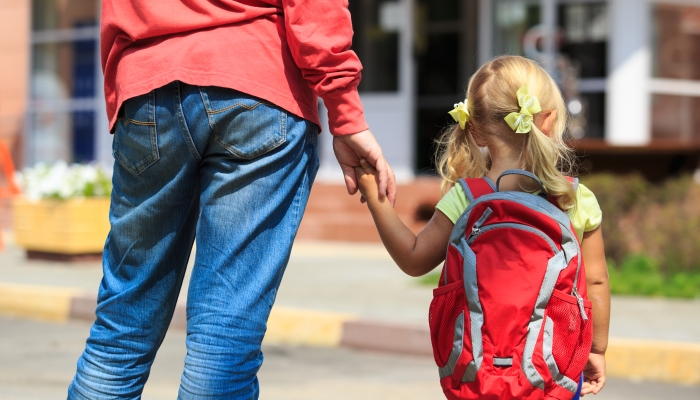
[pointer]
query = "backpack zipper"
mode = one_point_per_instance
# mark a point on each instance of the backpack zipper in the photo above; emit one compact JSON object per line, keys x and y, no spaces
{"x":579,"y":300}
{"x":477,"y":225}
{"x":481,"y":229}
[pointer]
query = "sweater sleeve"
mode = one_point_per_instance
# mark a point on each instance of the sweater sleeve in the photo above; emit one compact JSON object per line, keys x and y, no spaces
{"x":319,"y":34}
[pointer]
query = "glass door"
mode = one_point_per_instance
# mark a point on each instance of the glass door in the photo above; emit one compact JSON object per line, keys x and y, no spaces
{"x":446,"y":55}
{"x":382,"y":41}
{"x":569,"y":38}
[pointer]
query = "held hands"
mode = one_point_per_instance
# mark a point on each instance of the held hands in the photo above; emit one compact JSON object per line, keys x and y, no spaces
{"x":349,"y":149}
{"x":594,"y":374}
{"x":366,"y":176}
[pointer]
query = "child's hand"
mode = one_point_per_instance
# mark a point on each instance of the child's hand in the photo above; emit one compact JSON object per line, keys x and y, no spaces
{"x":367,"y":180}
{"x":594,"y":374}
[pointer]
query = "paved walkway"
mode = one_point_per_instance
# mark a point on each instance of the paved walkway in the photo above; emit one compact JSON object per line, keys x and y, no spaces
{"x":38,"y":362}
{"x":361,"y":279}
{"x":353,"y":296}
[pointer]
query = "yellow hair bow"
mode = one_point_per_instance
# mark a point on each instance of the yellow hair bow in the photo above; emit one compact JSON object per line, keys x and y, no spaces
{"x":529,"y":105}
{"x":461,"y":114}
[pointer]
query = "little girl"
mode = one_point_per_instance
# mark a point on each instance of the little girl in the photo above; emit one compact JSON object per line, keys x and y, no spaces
{"x":515,"y":111}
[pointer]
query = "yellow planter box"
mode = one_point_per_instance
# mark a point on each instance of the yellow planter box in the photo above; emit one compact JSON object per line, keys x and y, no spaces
{"x":77,"y":226}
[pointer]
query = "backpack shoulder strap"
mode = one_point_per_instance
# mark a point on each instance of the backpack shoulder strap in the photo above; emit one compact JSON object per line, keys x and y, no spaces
{"x":477,"y":187}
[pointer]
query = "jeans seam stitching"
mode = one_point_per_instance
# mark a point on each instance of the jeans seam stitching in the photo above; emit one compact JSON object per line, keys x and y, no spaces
{"x":283,"y":126}
{"x":184,"y":129}
{"x":138,"y":168}
{"x":253,"y":107}
{"x":153,"y":130}
{"x":204,"y":103}
{"x":128,"y":121}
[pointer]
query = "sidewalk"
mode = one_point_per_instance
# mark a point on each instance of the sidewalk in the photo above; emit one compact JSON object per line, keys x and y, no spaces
{"x":352,"y":295}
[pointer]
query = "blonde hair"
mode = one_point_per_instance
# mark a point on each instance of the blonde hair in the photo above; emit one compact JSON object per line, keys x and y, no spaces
{"x":491,"y":96}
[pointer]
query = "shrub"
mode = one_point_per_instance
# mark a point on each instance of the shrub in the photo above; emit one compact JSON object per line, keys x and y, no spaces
{"x":667,"y":226}
{"x":617,"y":195}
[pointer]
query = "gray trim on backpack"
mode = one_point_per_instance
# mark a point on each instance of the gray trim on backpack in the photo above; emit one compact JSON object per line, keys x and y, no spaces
{"x":467,"y":191}
{"x":490,"y":182}
{"x":470,"y":373}
{"x":523,"y":173}
{"x":547,"y":341}
{"x":570,"y":249}
{"x":503,"y":361}
{"x":476,"y":312}
{"x":457,"y":346}
{"x":555,"y":265}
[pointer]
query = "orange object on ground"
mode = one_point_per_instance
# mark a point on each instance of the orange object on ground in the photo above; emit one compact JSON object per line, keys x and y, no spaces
{"x":8,"y":169}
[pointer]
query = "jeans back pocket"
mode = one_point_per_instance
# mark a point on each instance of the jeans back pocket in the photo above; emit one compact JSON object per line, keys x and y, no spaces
{"x":135,"y":144}
{"x":247,"y":127}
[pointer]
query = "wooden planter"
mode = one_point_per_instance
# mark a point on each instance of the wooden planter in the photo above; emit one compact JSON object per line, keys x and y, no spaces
{"x":61,"y":229}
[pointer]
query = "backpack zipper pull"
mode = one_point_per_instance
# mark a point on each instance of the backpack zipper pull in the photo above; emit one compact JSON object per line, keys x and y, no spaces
{"x":580,"y":304}
{"x":476,"y":228}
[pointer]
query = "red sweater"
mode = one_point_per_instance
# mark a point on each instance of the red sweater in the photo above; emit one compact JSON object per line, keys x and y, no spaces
{"x":284,"y":51}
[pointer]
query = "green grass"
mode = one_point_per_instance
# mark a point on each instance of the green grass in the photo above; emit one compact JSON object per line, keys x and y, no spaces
{"x":640,"y":275}
{"x":430,"y":279}
{"x":637,"y":275}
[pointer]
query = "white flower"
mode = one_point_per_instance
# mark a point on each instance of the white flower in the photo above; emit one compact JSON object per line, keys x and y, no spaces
{"x":63,"y":181}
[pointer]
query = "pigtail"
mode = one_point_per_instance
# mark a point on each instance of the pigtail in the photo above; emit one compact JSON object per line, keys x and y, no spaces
{"x":550,"y":161}
{"x":459,"y":157}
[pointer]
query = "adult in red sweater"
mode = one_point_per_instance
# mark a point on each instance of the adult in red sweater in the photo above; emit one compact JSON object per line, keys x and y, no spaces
{"x":213,"y":104}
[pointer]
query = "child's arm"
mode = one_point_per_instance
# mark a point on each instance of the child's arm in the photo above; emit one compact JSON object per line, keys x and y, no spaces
{"x":415,"y":255}
{"x":599,"y":293}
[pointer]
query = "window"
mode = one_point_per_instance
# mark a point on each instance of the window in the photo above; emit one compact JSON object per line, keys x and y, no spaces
{"x":584,"y":29}
{"x":445,"y":48}
{"x":675,"y":117}
{"x":675,"y":112}
{"x":64,"y":69}
{"x":676,"y":42}
{"x":582,"y":65}
{"x":376,"y":41}
{"x":512,"y":21}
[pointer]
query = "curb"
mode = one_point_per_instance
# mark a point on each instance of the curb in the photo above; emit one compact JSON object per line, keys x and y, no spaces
{"x":37,"y":302}
{"x":665,"y":361}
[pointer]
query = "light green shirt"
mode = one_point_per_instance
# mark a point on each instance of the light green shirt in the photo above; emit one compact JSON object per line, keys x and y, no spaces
{"x":585,"y":217}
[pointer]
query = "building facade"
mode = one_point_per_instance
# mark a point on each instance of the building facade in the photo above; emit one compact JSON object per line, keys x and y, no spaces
{"x":629,"y":70}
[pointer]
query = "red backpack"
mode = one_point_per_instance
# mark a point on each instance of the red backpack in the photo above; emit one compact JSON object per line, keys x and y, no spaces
{"x":510,"y":319}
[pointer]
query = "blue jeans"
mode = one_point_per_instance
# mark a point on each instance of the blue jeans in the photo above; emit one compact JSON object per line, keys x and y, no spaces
{"x":231,"y":170}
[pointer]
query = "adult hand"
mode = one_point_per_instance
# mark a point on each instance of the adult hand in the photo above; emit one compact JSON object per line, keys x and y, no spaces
{"x":349,"y":149}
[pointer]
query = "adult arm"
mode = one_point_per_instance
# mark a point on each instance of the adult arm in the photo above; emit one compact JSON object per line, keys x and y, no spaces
{"x":319,"y":34}
{"x":598,"y":286}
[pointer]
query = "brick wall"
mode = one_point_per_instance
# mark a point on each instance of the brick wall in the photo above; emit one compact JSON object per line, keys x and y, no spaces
{"x":333,"y":215}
